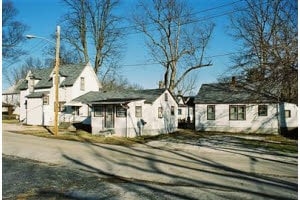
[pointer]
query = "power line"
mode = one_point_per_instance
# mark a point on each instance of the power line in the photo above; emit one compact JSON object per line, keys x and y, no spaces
{"x":194,"y":13}
{"x":157,"y":63}
{"x":40,"y":45}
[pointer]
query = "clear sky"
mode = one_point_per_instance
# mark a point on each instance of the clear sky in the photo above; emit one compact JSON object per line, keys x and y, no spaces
{"x":42,"y":17}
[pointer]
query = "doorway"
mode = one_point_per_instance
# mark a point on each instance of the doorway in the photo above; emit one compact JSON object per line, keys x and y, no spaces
{"x":109,"y":117}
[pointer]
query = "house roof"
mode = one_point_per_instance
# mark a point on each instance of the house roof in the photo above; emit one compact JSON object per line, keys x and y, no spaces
{"x":187,"y":100}
{"x":37,"y":94}
{"x":219,"y":93}
{"x":14,"y":89}
{"x":149,"y":95}
{"x":69,"y":71}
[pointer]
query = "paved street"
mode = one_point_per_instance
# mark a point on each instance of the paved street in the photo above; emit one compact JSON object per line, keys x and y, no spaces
{"x":160,"y":170}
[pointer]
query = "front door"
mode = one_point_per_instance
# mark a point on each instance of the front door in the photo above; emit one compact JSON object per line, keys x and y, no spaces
{"x":109,"y":117}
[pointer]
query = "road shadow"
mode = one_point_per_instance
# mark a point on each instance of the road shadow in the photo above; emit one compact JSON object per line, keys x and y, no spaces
{"x":222,"y":177}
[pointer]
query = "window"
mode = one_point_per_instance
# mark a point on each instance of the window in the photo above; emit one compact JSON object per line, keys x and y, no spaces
{"x":160,"y":112}
{"x":98,"y":111}
{"x":82,"y":83}
{"x":237,"y":112}
{"x":211,"y":112}
{"x":138,"y":111}
{"x":287,"y":113}
{"x":180,"y":111}
{"x":262,"y":110}
{"x":121,"y":112}
{"x":166,"y":96}
{"x":75,"y":110}
{"x":61,"y":106}
{"x":45,"y":100}
{"x":172,"y":110}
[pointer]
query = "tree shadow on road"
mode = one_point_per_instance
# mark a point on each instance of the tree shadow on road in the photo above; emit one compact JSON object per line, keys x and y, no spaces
{"x":183,"y":169}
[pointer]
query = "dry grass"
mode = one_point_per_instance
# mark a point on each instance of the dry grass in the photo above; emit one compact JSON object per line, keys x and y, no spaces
{"x":79,"y":136}
{"x":10,"y":121}
{"x":272,"y":142}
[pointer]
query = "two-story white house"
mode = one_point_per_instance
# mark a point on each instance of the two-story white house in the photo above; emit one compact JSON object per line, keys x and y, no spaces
{"x":131,"y":113}
{"x":37,"y":94}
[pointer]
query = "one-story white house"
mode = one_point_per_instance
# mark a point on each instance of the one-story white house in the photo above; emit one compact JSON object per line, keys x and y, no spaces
{"x":131,"y":113}
{"x":37,"y":94}
{"x":225,"y":107}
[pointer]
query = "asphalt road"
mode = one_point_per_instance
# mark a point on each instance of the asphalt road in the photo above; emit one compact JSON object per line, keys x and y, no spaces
{"x":27,"y":179}
{"x":167,"y":171}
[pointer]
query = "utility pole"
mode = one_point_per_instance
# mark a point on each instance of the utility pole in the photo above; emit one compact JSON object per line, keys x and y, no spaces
{"x":56,"y":71}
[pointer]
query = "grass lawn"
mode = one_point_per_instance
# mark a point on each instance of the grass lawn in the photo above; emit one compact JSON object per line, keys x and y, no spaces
{"x":269,"y":142}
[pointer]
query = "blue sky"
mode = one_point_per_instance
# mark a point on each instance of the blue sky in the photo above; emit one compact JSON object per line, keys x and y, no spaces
{"x":42,"y":18}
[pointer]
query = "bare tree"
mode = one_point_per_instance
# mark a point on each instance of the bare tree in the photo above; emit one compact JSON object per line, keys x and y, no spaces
{"x":74,"y":24}
{"x":268,"y":33}
{"x":67,"y":55}
{"x":20,"y":72}
{"x":97,"y":20}
{"x":175,"y":38}
{"x":12,"y":31}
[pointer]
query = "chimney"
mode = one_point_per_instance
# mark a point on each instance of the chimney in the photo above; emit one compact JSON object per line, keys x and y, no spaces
{"x":161,"y":85}
{"x":233,"y":82}
{"x":31,"y":83}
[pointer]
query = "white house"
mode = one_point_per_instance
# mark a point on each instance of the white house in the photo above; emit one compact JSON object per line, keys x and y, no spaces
{"x":131,"y":113}
{"x":227,"y":108}
{"x":11,"y":97}
{"x":185,"y":111}
{"x":37,"y":94}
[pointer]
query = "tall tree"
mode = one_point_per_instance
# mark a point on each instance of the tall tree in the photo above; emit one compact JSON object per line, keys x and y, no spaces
{"x":20,"y":72}
{"x":12,"y":31}
{"x":268,"y":58}
{"x":95,"y":19}
{"x":175,"y":38}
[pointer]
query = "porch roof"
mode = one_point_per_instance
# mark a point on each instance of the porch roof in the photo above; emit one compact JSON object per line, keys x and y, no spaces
{"x":113,"y":101}
{"x":115,"y":97}
{"x":37,"y":94}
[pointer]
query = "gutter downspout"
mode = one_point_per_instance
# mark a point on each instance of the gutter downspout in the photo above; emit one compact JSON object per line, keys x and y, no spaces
{"x":126,"y":123}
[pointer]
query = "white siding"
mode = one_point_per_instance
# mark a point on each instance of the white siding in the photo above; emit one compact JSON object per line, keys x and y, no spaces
{"x":97,"y":124}
{"x":292,"y":121}
{"x":252,"y":124}
{"x":134,"y":126}
{"x":66,"y":94}
{"x":131,"y":125}
{"x":91,"y":83}
{"x":23,"y":116}
{"x":34,"y":111}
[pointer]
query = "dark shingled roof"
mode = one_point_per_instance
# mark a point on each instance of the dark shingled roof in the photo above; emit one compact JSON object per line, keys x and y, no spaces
{"x":37,"y":94}
{"x":149,"y":95}
{"x":220,"y":93}
{"x":15,"y":89}
{"x":70,"y":72}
